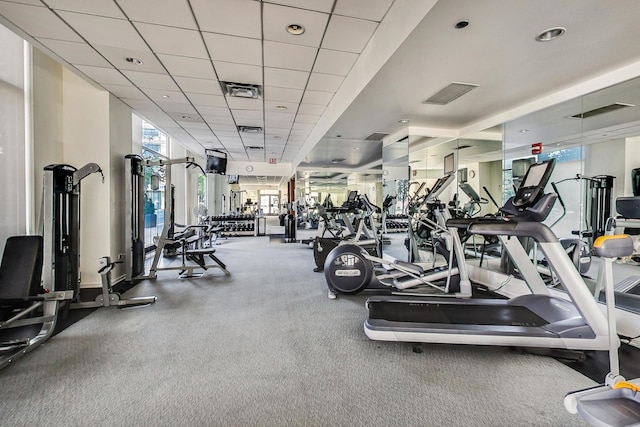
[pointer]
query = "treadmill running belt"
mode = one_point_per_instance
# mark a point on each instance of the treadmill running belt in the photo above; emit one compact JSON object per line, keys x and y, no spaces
{"x":472,"y":314}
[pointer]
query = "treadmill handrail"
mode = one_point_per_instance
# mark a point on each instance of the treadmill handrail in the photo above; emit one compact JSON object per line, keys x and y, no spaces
{"x":497,"y":227}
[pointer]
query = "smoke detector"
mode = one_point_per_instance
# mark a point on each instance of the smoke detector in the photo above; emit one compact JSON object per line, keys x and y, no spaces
{"x":241,"y":90}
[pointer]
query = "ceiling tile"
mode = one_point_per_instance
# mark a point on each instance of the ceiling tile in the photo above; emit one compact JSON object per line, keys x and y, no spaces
{"x":130,"y":92}
{"x":317,"y":97}
{"x":279,"y":116}
{"x":348,"y":34}
{"x":194,"y":85}
{"x":324,"y":82}
{"x":173,"y":41}
{"x":214,"y":111}
{"x":151,"y":80}
{"x":188,"y":67}
{"x":247,"y":114}
{"x":311,"y":109}
{"x":101,"y":8}
{"x":219,"y":120}
{"x":294,"y":57}
{"x":172,"y":107}
{"x":75,"y":53}
{"x":103,"y":31}
{"x":204,"y":100}
{"x":278,"y":124}
{"x":235,"y":17}
{"x":373,"y":10}
{"x":222,"y":127}
{"x":307,"y":118}
{"x":302,"y":126}
{"x":31,"y":2}
{"x":277,"y":18}
{"x":244,"y":103}
{"x":238,"y":73}
{"x":192,"y":122}
{"x":162,"y":96}
{"x":139,"y":104}
{"x":317,"y":5}
{"x":282,"y":94}
{"x":226,"y":133}
{"x":103,"y":75}
{"x":247,"y":121}
{"x":273,"y":106}
{"x":334,"y":62}
{"x":240,"y":50}
{"x":285,"y":78}
{"x":37,"y":21}
{"x":117,"y":56}
{"x":174,"y":13}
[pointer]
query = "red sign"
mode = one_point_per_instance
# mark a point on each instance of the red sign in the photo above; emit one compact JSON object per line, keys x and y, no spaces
{"x":536,"y":148}
{"x":273,"y":160}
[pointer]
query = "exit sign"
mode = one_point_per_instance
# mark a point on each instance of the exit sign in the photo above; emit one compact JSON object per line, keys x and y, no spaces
{"x":273,"y":160}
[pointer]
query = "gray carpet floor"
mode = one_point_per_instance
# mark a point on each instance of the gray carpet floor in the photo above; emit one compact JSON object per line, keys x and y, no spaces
{"x":265,"y":347}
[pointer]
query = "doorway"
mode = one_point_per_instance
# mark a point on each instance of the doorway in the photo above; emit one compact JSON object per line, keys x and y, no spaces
{"x":269,"y":203}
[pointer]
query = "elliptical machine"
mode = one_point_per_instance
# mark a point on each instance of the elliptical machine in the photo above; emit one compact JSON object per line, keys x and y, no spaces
{"x":349,"y":269}
{"x":362,"y":232}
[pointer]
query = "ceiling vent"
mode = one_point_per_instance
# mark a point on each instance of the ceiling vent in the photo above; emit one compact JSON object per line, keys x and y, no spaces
{"x":253,"y":147}
{"x":250,"y":129}
{"x":601,"y":110}
{"x":241,"y":90}
{"x":376,"y":136}
{"x":452,"y":92}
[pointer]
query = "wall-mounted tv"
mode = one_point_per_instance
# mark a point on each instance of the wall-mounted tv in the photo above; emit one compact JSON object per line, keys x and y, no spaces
{"x":216,"y":162}
{"x":234,"y":179}
{"x":449,"y":164}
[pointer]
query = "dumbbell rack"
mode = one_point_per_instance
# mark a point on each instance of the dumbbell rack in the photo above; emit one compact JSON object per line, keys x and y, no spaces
{"x":396,"y":223}
{"x":235,"y":225}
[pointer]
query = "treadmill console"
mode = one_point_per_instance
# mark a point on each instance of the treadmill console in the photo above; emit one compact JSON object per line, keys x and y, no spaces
{"x":533,"y":183}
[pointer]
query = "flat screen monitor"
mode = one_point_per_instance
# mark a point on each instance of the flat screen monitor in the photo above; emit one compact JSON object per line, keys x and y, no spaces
{"x":234,"y":179}
{"x":535,"y":175}
{"x":449,"y":164}
{"x":519,"y":167}
{"x":352,"y":196}
{"x":216,"y":162}
{"x":462,"y":175}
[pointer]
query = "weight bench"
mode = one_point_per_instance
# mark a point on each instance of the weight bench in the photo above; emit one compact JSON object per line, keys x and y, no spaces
{"x":197,"y":256}
{"x":27,"y":311}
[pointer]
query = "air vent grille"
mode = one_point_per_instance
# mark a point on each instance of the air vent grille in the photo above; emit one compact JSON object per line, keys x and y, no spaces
{"x":250,"y":129}
{"x":602,"y":110}
{"x":241,"y":90}
{"x":253,"y":147}
{"x":451,"y":92}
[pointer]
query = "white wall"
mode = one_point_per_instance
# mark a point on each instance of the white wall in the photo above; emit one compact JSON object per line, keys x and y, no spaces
{"x":120,"y":131}
{"x":13,"y":216}
{"x":86,"y":126}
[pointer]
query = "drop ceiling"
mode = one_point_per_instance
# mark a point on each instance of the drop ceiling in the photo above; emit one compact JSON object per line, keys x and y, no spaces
{"x":359,"y":68}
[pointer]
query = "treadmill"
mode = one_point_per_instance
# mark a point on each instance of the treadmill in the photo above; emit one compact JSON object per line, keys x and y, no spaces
{"x":627,"y":292}
{"x":537,"y":319}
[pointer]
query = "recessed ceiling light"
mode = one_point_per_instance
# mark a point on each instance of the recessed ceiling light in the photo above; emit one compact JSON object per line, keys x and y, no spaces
{"x":403,"y":121}
{"x":281,"y":107}
{"x":295,"y":29}
{"x":165,"y":96}
{"x":132,"y":60}
{"x":338,"y":160}
{"x":185,"y":117}
{"x":524,"y":130}
{"x":277,"y":137}
{"x":356,"y":148}
{"x":550,"y":34}
{"x":462,"y":24}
